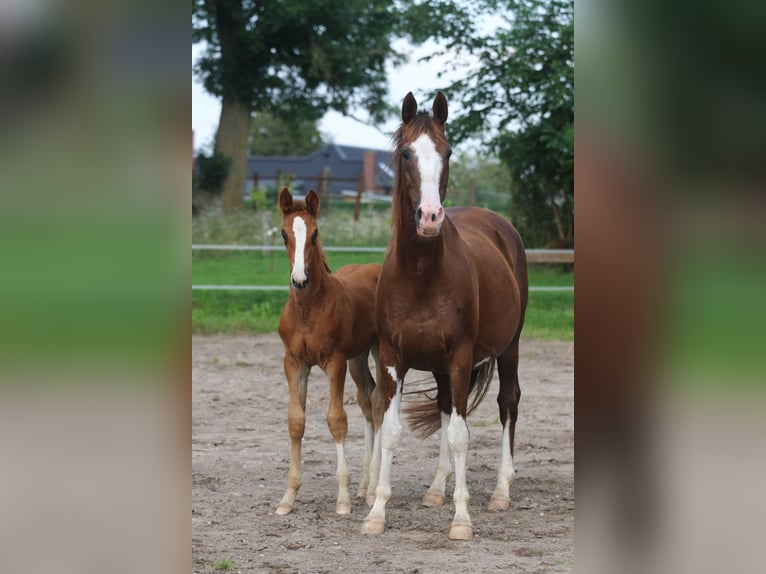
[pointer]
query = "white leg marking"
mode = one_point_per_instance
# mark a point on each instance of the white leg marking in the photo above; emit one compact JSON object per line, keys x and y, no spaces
{"x":458,"y":440}
{"x":390,"y":434}
{"x":299,"y":265}
{"x":374,"y":469}
{"x":430,"y":167}
{"x":343,"y":505}
{"x":369,"y":440}
{"x":500,"y":499}
{"x":435,"y":494}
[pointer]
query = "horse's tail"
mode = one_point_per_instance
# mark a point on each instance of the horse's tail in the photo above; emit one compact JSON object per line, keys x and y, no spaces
{"x":424,"y":416}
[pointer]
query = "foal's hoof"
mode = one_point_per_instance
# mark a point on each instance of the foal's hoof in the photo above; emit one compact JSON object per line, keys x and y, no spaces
{"x":373,"y":526}
{"x":499,"y":503}
{"x":370,"y":499}
{"x":432,"y":499}
{"x":283,"y":509}
{"x":343,"y":508}
{"x":461,"y":531}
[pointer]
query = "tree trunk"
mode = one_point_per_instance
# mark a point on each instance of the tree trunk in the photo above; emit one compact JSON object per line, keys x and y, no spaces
{"x":556,"y":213}
{"x":231,"y":140}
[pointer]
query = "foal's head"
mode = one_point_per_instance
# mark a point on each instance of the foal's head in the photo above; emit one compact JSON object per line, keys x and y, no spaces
{"x":422,"y":159}
{"x":300,"y":234}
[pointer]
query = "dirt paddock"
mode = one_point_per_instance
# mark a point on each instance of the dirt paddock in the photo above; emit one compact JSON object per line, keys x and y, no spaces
{"x":240,"y":455}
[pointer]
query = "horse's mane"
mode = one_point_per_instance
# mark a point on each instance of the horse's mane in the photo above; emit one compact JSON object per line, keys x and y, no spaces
{"x":299,"y":208}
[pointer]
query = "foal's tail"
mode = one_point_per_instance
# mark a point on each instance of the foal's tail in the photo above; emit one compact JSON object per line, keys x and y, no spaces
{"x":424,"y":416}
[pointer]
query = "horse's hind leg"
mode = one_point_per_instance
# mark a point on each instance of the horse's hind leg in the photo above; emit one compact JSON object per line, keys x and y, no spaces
{"x":297,"y":378}
{"x":434,"y":496}
{"x":508,"y":402}
{"x":365,"y":385}
{"x":337,"y":422}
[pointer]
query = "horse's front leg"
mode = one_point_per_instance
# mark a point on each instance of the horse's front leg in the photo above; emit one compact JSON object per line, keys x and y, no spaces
{"x":457,"y":434}
{"x":337,"y":422}
{"x":297,"y":377}
{"x":386,"y":399}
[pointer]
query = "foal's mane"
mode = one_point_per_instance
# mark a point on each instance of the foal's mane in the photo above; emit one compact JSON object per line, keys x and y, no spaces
{"x":299,"y":208}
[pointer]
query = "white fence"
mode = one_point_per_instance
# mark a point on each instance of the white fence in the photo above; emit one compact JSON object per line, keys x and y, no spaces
{"x":533,"y":256}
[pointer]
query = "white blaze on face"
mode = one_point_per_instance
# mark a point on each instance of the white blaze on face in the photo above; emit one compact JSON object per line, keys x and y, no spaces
{"x":299,"y":266}
{"x":430,"y":167}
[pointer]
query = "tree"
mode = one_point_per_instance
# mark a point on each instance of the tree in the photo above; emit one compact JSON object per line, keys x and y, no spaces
{"x":297,"y":58}
{"x":522,"y":94}
{"x":269,"y":135}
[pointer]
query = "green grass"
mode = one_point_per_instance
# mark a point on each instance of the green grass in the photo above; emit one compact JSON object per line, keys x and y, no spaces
{"x":550,"y":315}
{"x":224,"y":564}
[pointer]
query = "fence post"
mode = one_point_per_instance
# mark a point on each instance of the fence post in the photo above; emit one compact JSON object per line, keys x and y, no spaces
{"x":359,"y":187}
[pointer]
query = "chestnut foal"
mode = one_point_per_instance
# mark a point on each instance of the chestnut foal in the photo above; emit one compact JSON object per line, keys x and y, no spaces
{"x":327,"y":321}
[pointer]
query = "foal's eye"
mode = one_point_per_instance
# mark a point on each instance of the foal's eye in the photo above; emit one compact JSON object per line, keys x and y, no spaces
{"x":314,"y":236}
{"x":284,"y":236}
{"x":406,"y":154}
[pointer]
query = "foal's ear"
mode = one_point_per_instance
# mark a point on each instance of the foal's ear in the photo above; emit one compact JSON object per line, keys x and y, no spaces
{"x":409,"y":108}
{"x":440,"y":108}
{"x":312,"y":202}
{"x":285,"y":201}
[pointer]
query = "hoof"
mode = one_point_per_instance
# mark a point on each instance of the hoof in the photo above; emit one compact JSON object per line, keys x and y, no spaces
{"x":499,"y":503}
{"x":373,"y":526}
{"x":370,"y":499}
{"x":361,"y":493}
{"x":342,"y":508}
{"x":282,"y":510}
{"x":461,"y":531}
{"x":432,"y":499}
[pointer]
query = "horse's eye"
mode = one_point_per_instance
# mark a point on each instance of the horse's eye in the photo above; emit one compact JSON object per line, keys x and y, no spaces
{"x":284,"y":236}
{"x":449,"y":153}
{"x":406,"y":154}
{"x":314,"y":236}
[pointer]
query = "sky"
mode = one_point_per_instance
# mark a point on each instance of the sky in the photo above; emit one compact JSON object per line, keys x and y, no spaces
{"x":419,"y":78}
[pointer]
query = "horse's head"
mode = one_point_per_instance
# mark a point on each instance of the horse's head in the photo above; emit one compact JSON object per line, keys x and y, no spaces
{"x":422,"y":156}
{"x":300,"y":233}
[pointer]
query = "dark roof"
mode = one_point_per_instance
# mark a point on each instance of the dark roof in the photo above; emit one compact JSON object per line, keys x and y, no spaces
{"x":343,"y":161}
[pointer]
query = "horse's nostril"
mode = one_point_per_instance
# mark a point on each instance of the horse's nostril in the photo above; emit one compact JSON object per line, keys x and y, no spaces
{"x":418,"y":214}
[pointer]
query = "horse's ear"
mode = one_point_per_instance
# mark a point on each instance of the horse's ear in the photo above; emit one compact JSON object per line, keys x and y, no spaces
{"x":285,"y":201}
{"x":409,"y":108}
{"x":312,"y":202}
{"x":440,"y":108}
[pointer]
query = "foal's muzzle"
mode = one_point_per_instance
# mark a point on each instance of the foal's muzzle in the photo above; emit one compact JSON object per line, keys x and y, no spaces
{"x":299,"y":284}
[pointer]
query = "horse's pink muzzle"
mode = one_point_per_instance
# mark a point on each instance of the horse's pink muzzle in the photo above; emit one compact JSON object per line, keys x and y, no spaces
{"x":429,"y":220}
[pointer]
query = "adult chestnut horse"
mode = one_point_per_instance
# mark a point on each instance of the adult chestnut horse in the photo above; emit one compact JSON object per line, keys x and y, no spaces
{"x":328,"y":320}
{"x":451,"y":299}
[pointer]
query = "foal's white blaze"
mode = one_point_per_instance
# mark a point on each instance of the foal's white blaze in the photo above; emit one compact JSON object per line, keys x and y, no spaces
{"x":299,"y":266}
{"x":430,"y":167}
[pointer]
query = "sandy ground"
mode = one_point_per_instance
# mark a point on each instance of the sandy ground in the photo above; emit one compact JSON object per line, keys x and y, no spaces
{"x":240,"y":455}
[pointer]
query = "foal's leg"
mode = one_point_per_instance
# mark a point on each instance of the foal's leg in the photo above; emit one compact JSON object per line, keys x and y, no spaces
{"x":337,"y":422}
{"x":508,"y":402}
{"x":435,"y":494}
{"x":457,"y":434}
{"x":388,"y":392}
{"x":297,"y":378}
{"x":365,"y":385}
